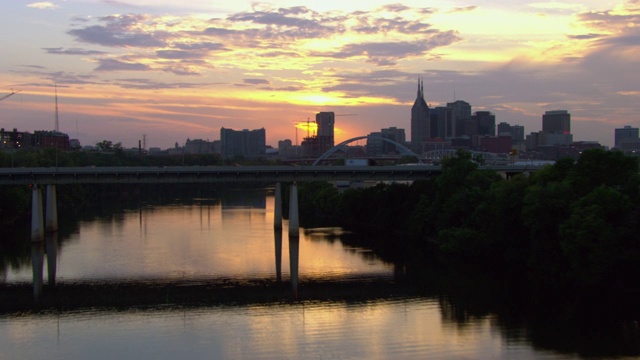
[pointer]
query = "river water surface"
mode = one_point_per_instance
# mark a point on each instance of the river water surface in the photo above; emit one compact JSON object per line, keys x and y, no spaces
{"x":228,"y":238}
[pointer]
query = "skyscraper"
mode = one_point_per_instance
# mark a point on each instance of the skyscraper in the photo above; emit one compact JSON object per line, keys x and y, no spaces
{"x":485,"y":123}
{"x":393,"y":134}
{"x":420,"y":131}
{"x":325,"y":122}
{"x":556,"y":122}
{"x":461,"y":113}
{"x":627,"y":138}
{"x":245,"y":143}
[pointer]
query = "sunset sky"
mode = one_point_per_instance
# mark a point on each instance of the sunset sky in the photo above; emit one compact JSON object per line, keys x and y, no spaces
{"x":173,"y":70}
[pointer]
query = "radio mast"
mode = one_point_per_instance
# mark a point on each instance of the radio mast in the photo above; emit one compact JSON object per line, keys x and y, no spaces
{"x":57,"y":127}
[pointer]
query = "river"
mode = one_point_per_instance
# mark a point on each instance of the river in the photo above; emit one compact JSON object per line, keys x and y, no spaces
{"x":208,"y":277}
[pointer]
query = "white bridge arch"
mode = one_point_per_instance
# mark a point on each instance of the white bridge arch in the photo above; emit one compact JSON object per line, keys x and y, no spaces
{"x":430,"y":156}
{"x":405,"y":150}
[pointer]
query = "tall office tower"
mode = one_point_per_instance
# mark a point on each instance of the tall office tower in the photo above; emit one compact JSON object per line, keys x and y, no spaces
{"x":517,"y":134}
{"x":627,"y":134}
{"x":324,"y":138}
{"x":394,"y":134}
{"x":245,"y":143}
{"x":442,"y":122}
{"x":461,"y":113}
{"x":556,"y":122}
{"x":375,"y":144}
{"x":485,"y":123}
{"x":325,"y":122}
{"x":437,"y":121}
{"x":504,"y":129}
{"x":419,"y":119}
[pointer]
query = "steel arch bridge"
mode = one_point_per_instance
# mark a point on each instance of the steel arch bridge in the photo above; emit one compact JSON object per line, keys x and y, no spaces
{"x":439,"y":154}
{"x":405,"y":150}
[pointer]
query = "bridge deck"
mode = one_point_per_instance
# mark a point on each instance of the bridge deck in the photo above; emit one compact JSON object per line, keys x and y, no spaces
{"x":207,"y":174}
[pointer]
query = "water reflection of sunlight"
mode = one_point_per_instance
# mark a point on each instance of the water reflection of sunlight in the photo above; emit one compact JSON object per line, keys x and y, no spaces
{"x":230,"y":238}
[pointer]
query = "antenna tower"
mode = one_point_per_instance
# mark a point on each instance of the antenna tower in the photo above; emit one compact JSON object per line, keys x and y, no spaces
{"x":57,"y":128}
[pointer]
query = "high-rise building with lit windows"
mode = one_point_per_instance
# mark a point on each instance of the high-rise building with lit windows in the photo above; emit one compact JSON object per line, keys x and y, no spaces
{"x":556,"y":122}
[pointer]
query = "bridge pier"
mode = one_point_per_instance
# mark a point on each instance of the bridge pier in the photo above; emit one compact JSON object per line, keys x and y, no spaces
{"x":51,"y":215}
{"x":277,"y":236}
{"x":51,"y":249}
{"x":37,"y":221}
{"x":277,"y":211}
{"x":294,"y":222}
{"x":294,"y":254}
{"x":37,"y":266}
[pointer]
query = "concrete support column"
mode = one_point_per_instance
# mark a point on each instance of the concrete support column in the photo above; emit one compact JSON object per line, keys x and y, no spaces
{"x":51,"y":215}
{"x":51,"y":249}
{"x":277,"y":235}
{"x":294,"y":222}
{"x":277,"y":211}
{"x":37,"y":221}
{"x":37,"y":265}
{"x":294,"y":253}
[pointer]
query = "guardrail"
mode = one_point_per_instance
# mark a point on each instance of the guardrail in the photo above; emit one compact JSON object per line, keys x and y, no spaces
{"x":207,"y":174}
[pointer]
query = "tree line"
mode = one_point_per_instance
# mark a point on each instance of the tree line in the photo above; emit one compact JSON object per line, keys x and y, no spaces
{"x":572,"y":224}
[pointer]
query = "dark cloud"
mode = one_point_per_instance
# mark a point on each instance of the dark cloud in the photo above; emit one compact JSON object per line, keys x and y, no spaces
{"x":120,"y":31}
{"x":380,"y":52}
{"x":380,"y":61}
{"x":34,"y":66}
{"x":256,"y":81}
{"x":146,"y":84}
{"x":296,"y":10}
{"x":73,"y":51}
{"x":286,"y":25}
{"x":276,"y":54}
{"x":117,"y":65}
{"x":395,"y":8}
{"x":427,"y":11}
{"x":463,"y":9}
{"x":80,"y":19}
{"x":620,"y":41}
{"x":202,"y":46}
{"x":217,"y":31}
{"x":178,"y":54}
{"x":287,"y":88}
{"x":380,"y":25}
{"x":584,"y":36}
{"x":609,"y":21}
{"x":101,"y":35}
{"x":280,"y":18}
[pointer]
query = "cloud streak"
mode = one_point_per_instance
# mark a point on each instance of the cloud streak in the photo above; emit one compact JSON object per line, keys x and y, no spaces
{"x":44,"y":5}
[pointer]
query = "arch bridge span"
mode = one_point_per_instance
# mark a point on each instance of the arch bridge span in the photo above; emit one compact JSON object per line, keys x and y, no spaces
{"x":405,"y":150}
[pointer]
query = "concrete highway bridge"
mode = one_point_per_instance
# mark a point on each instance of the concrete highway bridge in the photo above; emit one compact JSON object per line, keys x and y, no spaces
{"x":208,"y":174}
{"x":46,"y":220}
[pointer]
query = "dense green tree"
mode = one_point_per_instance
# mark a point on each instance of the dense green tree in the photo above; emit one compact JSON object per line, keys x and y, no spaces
{"x":597,"y":167}
{"x":599,"y":236}
{"x":105,"y":145}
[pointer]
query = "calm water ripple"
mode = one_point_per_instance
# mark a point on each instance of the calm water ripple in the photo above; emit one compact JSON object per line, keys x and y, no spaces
{"x":211,"y":279}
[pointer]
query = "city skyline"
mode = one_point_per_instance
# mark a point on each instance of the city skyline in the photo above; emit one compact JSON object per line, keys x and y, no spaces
{"x":124,"y":69}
